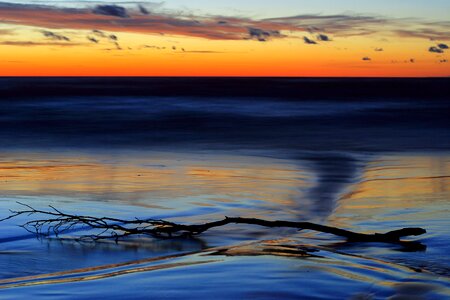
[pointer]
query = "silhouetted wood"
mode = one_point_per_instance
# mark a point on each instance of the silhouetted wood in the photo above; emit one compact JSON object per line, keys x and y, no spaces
{"x":57,"y":222}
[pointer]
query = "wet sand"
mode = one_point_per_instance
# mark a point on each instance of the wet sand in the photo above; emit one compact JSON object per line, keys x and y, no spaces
{"x":351,"y":159}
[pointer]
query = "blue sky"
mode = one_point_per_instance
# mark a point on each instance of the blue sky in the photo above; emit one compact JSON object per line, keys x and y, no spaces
{"x":393,"y":8}
{"x":425,"y":9}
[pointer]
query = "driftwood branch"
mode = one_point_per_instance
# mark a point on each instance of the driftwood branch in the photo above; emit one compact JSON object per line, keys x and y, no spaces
{"x":57,"y":222}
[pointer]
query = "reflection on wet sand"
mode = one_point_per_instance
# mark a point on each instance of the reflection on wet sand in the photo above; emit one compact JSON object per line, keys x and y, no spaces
{"x":314,"y":259}
{"x":59,"y":280}
{"x":411,"y":189}
{"x":401,"y":191}
{"x":393,"y":191}
{"x":156,"y":180}
{"x":334,"y":173}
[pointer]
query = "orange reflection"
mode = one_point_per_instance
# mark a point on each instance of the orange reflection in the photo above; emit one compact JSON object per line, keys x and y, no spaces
{"x":411,"y":188}
{"x":153,"y":179}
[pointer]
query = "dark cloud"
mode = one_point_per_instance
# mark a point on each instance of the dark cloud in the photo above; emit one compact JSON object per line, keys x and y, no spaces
{"x":443,"y":46}
{"x":92,"y":39}
{"x":308,"y":41}
{"x":111,"y":10}
{"x":203,"y":52}
{"x":357,"y":25}
{"x":31,"y":44}
{"x":262,"y":35}
{"x":107,"y":37}
{"x":55,"y":36}
{"x":323,"y":38}
{"x":143,"y":10}
{"x":443,"y":61}
{"x":153,"y":47}
{"x":366,"y":58}
{"x":379,"y":49}
{"x":340,"y":25}
{"x":119,"y":19}
{"x":182,"y":49}
{"x":103,"y":35}
{"x":342,"y":17}
{"x":99,"y":33}
{"x":412,"y":60}
{"x":312,"y":29}
{"x":432,"y":33}
{"x":435,"y":50}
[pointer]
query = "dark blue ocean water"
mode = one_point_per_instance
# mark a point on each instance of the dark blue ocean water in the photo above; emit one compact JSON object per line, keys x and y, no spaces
{"x":290,"y":114}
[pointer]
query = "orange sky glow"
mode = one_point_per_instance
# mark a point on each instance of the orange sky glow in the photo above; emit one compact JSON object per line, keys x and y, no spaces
{"x":113,"y":40}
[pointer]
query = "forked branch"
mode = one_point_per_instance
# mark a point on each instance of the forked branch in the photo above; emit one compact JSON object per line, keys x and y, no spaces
{"x":56,"y":222}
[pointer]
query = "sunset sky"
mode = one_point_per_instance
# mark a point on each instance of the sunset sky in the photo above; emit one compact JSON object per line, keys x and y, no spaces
{"x":225,"y":38}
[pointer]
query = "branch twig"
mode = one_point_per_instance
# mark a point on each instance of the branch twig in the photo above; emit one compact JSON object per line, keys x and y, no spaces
{"x":107,"y":228}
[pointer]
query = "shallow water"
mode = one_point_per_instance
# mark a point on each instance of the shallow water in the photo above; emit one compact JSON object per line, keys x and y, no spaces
{"x":391,"y":191}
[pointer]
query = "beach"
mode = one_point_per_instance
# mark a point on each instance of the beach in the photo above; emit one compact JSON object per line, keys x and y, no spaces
{"x":360,"y":154}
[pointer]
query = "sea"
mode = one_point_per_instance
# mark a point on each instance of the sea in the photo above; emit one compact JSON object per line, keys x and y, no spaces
{"x":369,"y":155}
